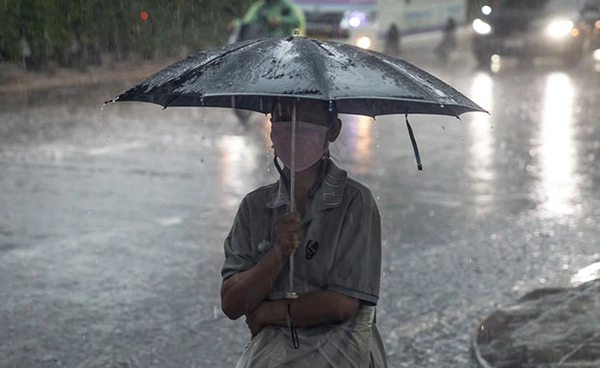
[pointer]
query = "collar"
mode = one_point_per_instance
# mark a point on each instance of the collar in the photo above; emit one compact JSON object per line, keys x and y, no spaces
{"x":329,"y":195}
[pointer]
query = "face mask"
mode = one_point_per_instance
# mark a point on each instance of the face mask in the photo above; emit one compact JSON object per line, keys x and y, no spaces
{"x":310,"y":143}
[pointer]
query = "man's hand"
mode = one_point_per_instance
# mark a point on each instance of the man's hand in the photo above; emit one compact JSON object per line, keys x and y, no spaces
{"x":286,"y":229}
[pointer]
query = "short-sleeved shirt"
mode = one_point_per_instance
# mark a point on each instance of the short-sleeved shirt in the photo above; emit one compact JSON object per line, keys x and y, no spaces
{"x":341,"y":238}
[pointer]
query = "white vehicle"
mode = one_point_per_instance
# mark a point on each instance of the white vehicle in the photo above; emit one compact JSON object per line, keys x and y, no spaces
{"x":364,"y":23}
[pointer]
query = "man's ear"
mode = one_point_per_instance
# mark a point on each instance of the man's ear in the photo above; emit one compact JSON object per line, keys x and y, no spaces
{"x":334,"y":130}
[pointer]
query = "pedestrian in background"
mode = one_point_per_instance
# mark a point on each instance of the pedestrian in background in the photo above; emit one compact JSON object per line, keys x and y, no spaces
{"x":272,"y":18}
{"x":448,"y":42}
{"x":393,"y":38}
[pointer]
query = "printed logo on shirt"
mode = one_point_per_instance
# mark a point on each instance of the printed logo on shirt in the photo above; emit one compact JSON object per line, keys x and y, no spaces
{"x":311,"y":249}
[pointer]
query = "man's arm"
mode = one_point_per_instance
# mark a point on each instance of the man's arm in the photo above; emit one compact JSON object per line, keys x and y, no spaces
{"x":314,"y":309}
{"x":243,"y":292}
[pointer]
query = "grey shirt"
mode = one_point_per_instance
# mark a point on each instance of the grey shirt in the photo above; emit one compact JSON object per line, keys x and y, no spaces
{"x":341,"y":238}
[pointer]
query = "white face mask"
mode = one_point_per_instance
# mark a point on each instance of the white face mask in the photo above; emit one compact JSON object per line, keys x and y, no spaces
{"x":311,"y":143}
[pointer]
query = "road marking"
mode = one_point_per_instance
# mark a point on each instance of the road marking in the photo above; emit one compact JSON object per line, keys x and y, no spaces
{"x":116,"y":148}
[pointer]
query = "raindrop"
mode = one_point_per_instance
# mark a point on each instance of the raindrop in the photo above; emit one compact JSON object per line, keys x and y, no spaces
{"x":89,"y":212}
{"x":431,"y":213}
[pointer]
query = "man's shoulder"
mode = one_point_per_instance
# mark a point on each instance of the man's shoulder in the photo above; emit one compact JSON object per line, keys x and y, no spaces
{"x":261,"y":193}
{"x":355,"y":188}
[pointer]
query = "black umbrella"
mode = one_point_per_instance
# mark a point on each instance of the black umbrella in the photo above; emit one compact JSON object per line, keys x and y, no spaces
{"x":248,"y":75}
{"x":251,"y":75}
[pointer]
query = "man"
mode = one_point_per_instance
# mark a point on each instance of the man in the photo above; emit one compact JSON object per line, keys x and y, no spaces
{"x":335,"y":239}
{"x":272,"y":18}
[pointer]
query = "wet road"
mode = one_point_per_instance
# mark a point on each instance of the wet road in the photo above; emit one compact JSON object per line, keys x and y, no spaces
{"x":112,"y":221}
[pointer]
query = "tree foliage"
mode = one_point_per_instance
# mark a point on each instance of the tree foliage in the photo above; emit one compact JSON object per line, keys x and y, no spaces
{"x":70,"y":31}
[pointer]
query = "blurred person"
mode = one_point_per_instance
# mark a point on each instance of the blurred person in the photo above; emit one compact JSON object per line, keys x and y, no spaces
{"x":272,"y":18}
{"x":448,"y":42}
{"x":335,"y":239}
{"x":392,"y":41}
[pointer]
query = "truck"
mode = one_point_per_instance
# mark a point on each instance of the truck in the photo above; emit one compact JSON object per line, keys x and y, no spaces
{"x":365,"y":23}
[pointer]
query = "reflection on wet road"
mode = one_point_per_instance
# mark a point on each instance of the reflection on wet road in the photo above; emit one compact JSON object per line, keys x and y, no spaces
{"x":112,"y":222}
{"x":558,"y":182}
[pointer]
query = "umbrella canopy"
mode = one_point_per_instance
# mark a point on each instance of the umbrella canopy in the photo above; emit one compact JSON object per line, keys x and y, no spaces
{"x":250,"y":75}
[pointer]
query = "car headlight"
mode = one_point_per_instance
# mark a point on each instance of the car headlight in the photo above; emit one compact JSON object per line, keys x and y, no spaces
{"x":363,"y":42}
{"x":559,"y":28}
{"x":481,"y":27}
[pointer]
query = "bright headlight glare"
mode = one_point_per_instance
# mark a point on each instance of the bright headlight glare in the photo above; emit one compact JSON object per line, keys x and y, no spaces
{"x":560,"y":28}
{"x":354,"y":22}
{"x":363,"y":42}
{"x":481,"y":27}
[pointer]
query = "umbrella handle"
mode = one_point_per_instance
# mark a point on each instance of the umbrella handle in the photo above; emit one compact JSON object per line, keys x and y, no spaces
{"x":291,"y":294}
{"x":292,"y":206}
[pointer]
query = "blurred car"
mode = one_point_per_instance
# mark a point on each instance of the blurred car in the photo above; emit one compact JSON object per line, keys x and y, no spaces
{"x":591,"y":17}
{"x":535,"y":28}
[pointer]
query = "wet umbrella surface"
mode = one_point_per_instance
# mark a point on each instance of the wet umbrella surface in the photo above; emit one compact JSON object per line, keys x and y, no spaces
{"x":248,"y":75}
